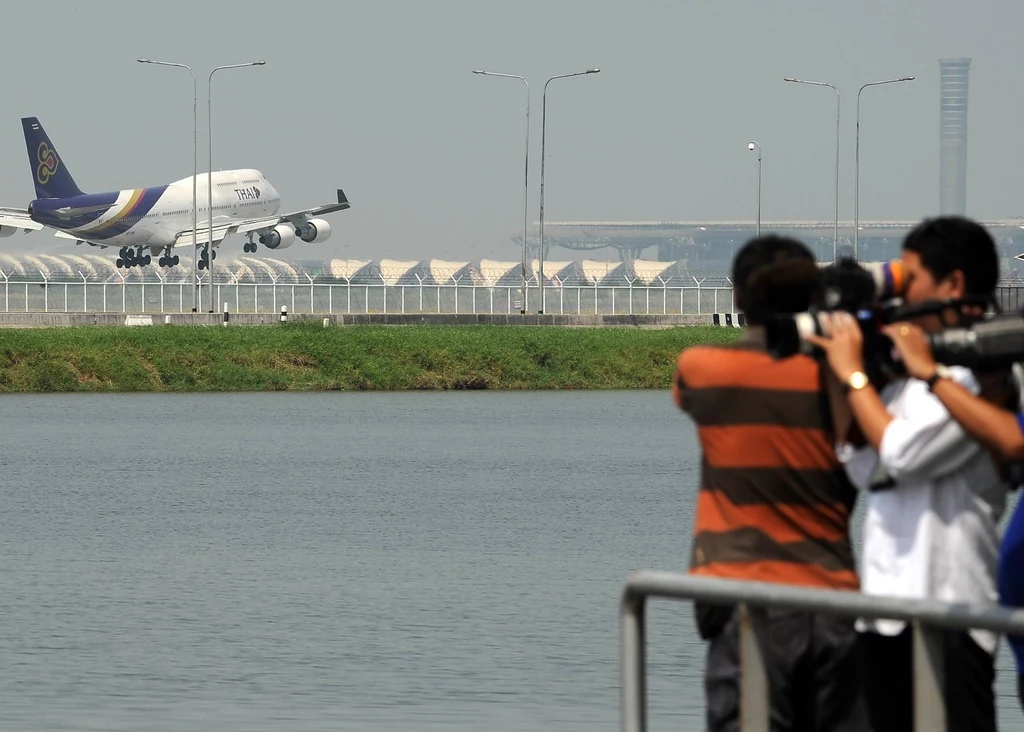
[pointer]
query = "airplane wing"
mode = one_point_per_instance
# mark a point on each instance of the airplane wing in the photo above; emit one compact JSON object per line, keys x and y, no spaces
{"x":225,"y":228}
{"x":17,"y":218}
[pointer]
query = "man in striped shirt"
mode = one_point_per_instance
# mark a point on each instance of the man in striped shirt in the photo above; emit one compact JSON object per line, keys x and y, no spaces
{"x":774,"y":502}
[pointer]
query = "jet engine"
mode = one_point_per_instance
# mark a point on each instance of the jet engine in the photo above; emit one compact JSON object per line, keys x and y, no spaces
{"x":281,"y":236}
{"x":314,"y":231}
{"x":6,"y":231}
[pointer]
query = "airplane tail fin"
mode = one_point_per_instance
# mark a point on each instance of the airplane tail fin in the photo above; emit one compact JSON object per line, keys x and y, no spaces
{"x":49,"y":174}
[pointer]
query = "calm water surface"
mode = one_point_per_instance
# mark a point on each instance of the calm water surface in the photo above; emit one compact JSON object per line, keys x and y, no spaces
{"x":342,"y":561}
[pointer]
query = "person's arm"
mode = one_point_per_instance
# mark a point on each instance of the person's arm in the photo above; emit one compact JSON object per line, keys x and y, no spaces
{"x":927,"y":443}
{"x":998,"y":429}
{"x":844,"y":349}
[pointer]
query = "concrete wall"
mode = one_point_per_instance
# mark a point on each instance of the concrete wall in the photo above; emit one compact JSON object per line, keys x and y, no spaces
{"x":58,"y":320}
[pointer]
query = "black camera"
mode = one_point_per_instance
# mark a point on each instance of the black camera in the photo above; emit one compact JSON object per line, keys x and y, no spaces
{"x":869,"y":292}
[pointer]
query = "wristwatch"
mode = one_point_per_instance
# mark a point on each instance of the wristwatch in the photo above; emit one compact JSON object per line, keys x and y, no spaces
{"x":941,"y":372}
{"x":856,"y":381}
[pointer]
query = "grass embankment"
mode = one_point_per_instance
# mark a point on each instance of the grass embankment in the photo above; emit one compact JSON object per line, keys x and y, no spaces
{"x":309,"y":357}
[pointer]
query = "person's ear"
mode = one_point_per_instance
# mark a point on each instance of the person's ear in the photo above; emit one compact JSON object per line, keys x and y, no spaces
{"x":957,"y":284}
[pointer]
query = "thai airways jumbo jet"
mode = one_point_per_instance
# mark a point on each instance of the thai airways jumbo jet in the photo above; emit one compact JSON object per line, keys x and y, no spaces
{"x":142,"y":221}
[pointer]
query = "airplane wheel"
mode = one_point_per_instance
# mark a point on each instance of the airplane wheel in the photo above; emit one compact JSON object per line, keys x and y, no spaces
{"x":147,"y":260}
{"x":214,"y":253}
{"x":202,"y":264}
{"x":119,"y":263}
{"x":175,"y":260}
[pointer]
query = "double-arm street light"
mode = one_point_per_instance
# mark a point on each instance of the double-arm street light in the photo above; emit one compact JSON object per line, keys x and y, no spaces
{"x":195,"y":174}
{"x":835,"y":239}
{"x":526,"y":167}
{"x":209,"y":174}
{"x":543,"y":135}
{"x":856,"y":185}
{"x":751,"y":146}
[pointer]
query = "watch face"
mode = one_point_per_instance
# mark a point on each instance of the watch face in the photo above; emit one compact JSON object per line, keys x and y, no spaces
{"x":858,"y":380}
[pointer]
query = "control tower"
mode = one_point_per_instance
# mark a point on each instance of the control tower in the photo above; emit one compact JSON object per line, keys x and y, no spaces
{"x":953,"y":135}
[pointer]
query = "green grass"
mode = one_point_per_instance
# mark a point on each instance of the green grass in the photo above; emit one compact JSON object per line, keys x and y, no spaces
{"x":311,"y":358}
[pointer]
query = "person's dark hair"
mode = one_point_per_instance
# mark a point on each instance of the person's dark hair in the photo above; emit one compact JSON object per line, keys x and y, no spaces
{"x":774,"y":274}
{"x":951,"y":243}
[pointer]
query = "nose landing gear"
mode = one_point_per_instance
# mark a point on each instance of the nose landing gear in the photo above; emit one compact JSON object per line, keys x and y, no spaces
{"x":204,"y":258}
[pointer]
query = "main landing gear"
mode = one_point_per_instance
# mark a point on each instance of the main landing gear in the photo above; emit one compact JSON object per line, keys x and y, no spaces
{"x":166,"y":260}
{"x":132,"y":257}
{"x":250,"y":247}
{"x":204,"y":258}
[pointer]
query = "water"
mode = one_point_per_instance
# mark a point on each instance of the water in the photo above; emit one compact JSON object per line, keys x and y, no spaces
{"x":342,"y":561}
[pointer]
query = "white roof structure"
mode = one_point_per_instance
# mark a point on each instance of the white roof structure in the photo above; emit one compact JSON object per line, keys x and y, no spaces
{"x":72,"y":267}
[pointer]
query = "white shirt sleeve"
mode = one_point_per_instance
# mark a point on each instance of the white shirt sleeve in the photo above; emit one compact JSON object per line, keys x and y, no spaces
{"x":923,"y":442}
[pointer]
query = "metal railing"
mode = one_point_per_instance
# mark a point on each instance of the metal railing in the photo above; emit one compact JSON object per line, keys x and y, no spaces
{"x":153,"y":293}
{"x":129,"y":295}
{"x":927,"y":617}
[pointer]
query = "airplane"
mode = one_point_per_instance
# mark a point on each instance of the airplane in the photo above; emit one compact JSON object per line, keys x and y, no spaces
{"x":147,"y":221}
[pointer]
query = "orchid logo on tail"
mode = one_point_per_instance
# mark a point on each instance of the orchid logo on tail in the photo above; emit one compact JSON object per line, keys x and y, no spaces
{"x":47,"y":163}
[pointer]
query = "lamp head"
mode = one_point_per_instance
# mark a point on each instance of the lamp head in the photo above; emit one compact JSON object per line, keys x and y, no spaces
{"x":593,"y":71}
{"x":142,"y":60}
{"x":750,"y":146}
{"x":907,"y":78}
{"x":259,"y":63}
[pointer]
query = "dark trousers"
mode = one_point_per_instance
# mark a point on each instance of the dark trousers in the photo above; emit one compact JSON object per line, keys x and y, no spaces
{"x":888,"y":676}
{"x":811,"y":663}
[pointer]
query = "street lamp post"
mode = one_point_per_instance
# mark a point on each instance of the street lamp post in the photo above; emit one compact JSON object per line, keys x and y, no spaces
{"x":856,"y":175}
{"x":543,"y":135}
{"x":835,"y":239}
{"x":195,"y":174}
{"x":209,"y":174}
{"x":750,"y":146}
{"x":526,"y":167}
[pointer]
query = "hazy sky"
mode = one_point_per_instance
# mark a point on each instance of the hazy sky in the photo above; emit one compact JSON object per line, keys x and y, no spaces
{"x":378,"y":98}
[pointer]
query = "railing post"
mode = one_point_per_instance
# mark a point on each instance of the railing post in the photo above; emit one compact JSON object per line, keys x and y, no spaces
{"x":311,"y":309}
{"x":85,"y":291}
{"x":634,"y":665}
{"x":384,"y":290}
{"x":161,"y":278}
{"x":929,"y":678}
{"x":124,"y":292}
{"x":456,"y":281}
{"x":46,"y":292}
{"x":754,"y":695}
{"x":6,"y":293}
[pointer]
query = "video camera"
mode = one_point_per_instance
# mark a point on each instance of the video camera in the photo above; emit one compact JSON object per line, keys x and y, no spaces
{"x":872,"y":293}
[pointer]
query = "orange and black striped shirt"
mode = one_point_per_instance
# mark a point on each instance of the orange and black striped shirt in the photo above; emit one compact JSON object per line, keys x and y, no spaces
{"x":774,"y":502}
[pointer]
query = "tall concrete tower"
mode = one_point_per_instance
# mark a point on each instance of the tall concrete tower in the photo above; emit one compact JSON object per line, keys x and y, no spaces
{"x":953,"y":135}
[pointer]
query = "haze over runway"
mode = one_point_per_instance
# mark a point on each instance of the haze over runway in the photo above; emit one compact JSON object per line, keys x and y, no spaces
{"x":379,"y":99}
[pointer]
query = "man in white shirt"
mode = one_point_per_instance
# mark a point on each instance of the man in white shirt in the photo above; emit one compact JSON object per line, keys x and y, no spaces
{"x":934,"y":494}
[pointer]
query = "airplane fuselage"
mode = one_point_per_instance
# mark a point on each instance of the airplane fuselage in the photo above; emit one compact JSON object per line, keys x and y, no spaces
{"x":154,"y":217}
